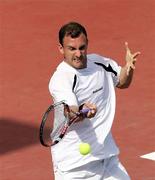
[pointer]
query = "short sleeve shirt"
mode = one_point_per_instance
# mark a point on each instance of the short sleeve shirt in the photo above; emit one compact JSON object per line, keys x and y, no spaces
{"x":95,"y":84}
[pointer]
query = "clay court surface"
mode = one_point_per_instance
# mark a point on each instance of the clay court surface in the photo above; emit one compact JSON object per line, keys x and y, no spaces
{"x":29,"y":55}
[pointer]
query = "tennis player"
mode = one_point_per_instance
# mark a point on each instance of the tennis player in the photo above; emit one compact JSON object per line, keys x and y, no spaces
{"x":88,"y":80}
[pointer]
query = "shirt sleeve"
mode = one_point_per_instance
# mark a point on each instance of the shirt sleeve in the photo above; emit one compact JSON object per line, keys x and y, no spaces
{"x":117,"y":69}
{"x":60,"y":87}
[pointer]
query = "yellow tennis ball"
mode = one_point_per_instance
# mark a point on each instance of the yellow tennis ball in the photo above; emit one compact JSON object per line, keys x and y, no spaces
{"x":84,"y":148}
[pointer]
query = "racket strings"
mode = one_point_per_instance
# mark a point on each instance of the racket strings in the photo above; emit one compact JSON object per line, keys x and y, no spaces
{"x":60,"y":131}
{"x":55,"y":123}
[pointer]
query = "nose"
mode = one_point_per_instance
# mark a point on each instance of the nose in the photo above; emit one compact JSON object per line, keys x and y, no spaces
{"x":78,"y":53}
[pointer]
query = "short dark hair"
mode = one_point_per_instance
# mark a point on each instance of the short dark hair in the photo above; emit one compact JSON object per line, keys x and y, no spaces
{"x":72,"y":29}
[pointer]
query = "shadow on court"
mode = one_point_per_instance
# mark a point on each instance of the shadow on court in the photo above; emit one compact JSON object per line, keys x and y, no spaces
{"x":15,"y":135}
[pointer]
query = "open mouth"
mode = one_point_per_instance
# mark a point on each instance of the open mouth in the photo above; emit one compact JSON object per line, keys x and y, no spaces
{"x":80,"y":59}
{"x":77,"y":60}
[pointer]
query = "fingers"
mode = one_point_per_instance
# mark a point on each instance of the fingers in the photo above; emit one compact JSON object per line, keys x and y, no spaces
{"x":93,"y":109}
{"x":135,"y":55}
{"x":91,"y":113}
{"x":131,"y":57}
{"x":127,"y":47}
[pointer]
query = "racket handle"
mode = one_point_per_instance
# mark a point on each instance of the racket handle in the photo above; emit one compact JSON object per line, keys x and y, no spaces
{"x":84,"y":112}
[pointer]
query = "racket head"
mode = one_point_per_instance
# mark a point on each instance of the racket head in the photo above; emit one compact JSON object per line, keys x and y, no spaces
{"x":56,"y":121}
{"x":52,"y":124}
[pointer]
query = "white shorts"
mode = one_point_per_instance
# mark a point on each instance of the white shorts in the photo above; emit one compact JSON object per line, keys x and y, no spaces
{"x":108,"y":169}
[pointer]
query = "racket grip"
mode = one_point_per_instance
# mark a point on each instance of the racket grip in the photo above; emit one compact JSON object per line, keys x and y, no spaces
{"x":84,"y":112}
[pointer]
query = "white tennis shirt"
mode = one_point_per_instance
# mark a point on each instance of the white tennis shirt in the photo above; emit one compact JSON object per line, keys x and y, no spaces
{"x":95,"y":84}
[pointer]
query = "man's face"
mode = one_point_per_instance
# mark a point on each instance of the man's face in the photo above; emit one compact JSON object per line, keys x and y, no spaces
{"x":75,"y":51}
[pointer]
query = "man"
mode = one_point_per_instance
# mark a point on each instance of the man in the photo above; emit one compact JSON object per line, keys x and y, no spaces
{"x":88,"y":81}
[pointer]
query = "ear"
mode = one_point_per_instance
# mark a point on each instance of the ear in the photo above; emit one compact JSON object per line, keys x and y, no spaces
{"x":61,"y":49}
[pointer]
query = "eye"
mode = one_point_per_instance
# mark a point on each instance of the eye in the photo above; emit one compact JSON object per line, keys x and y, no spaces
{"x":82,"y":47}
{"x":71,"y":48}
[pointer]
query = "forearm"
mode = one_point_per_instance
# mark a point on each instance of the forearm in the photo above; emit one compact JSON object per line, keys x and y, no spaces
{"x":125,"y":78}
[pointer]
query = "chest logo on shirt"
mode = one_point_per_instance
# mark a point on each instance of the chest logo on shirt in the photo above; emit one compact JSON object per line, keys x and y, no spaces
{"x":95,"y":91}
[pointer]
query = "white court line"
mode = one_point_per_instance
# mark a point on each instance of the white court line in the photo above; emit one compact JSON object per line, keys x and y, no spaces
{"x":150,"y":156}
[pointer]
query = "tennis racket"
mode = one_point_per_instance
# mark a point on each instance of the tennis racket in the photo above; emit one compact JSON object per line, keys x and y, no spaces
{"x":56,"y":121}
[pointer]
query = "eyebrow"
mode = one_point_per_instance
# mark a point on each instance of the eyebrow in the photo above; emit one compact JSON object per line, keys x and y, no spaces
{"x":71,"y":47}
{"x":81,"y":47}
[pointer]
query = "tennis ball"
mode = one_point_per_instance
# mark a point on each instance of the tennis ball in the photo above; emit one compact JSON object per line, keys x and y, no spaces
{"x":84,"y":148}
